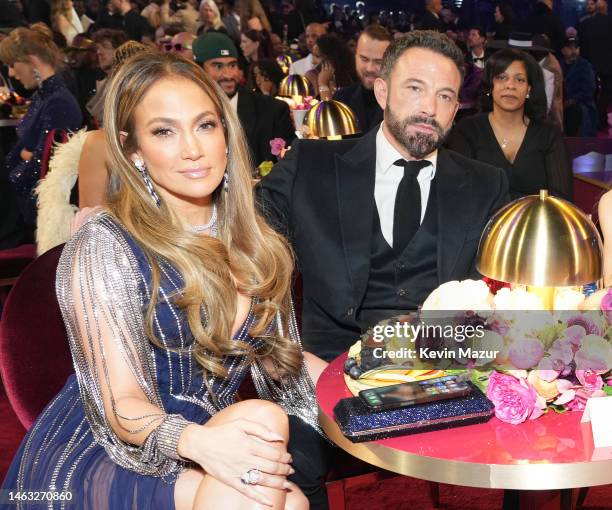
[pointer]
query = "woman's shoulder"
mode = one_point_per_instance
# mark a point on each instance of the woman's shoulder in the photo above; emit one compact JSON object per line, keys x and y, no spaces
{"x":473,"y":126}
{"x":605,"y":205}
{"x":544,"y":131}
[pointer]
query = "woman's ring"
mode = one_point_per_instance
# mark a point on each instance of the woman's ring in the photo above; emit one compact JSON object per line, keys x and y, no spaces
{"x":251,"y":477}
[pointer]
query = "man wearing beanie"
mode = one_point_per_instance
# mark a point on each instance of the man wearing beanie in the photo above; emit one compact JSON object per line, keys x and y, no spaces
{"x":263,"y":118}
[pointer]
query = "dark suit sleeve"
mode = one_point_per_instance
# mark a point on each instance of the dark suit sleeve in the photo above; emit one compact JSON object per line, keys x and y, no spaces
{"x":275,"y":191}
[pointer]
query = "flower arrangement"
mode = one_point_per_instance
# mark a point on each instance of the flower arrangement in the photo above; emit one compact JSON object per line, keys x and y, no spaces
{"x":547,"y":360}
{"x":278,"y":147}
{"x":299,"y":102}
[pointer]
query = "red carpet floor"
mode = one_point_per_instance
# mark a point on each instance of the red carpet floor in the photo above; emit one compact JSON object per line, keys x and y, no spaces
{"x":401,"y":493}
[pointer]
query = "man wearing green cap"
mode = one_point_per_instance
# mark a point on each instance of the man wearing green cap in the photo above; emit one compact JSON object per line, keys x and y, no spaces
{"x":263,"y":118}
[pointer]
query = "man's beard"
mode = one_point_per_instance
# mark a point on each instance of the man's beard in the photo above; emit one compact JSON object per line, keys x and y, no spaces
{"x":363,"y":76}
{"x":420,"y":144}
{"x":229,"y":94}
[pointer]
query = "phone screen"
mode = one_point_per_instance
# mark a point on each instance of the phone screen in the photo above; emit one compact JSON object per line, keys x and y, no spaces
{"x":405,"y":394}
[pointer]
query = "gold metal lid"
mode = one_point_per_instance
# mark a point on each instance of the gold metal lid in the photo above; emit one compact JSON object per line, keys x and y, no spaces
{"x":331,"y":119}
{"x":541,"y":241}
{"x":295,"y":85}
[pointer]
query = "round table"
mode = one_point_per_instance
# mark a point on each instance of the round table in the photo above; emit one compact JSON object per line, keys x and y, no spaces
{"x":538,"y":457}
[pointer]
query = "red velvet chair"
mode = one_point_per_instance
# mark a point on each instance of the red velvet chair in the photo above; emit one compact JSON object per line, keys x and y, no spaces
{"x":13,"y":261}
{"x":35,"y":357}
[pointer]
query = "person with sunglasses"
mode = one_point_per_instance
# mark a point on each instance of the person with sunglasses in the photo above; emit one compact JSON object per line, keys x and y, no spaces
{"x":181,"y":44}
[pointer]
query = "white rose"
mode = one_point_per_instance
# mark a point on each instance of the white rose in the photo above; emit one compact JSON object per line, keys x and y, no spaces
{"x":459,"y":295}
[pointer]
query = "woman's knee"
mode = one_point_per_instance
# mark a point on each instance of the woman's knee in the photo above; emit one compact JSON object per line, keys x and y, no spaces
{"x":267,"y":413}
{"x":261,"y":411}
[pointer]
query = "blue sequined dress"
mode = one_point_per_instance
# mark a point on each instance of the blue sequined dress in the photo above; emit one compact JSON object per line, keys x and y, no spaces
{"x":53,"y":107}
{"x":103,"y":285}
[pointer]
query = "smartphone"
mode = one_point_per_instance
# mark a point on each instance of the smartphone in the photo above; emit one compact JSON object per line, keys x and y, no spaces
{"x":417,"y":392}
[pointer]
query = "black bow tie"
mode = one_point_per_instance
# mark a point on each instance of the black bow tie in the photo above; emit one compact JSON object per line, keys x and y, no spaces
{"x":478,"y":59}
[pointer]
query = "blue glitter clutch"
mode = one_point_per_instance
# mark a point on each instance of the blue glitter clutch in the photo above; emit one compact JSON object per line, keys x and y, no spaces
{"x":358,"y":423}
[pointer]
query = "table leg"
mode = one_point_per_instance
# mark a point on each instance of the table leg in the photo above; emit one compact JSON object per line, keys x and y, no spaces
{"x":540,"y":500}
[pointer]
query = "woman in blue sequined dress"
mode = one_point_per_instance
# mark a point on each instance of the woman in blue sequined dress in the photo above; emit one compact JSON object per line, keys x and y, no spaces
{"x":33,"y":59}
{"x":170,"y":297}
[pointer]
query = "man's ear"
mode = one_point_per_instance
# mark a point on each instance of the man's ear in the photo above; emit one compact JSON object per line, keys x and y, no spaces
{"x":381,"y":92}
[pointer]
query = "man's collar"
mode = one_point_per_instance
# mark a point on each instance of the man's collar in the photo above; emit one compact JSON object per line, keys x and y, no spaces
{"x":387,"y":154}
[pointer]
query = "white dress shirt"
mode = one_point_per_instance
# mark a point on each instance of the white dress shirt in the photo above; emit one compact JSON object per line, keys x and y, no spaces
{"x":302,"y":66}
{"x":478,"y":63}
{"x":388,"y":177}
{"x":234,"y":102}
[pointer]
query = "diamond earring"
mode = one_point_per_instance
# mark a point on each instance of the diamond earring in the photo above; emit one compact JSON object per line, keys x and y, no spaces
{"x":141,"y":167}
{"x":37,"y":77}
{"x":226,"y":181}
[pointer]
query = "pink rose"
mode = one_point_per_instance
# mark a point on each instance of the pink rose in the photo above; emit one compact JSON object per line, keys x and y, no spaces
{"x":514,"y":399}
{"x":277,"y":145}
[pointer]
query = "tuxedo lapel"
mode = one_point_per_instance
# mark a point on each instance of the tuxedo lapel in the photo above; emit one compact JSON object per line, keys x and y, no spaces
{"x":453,"y":189}
{"x":355,"y":177}
{"x":358,"y":104}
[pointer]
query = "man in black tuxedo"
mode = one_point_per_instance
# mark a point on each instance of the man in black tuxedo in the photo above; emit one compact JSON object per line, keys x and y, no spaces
{"x":378,"y":222}
{"x":262,"y":117}
{"x":371,"y":47}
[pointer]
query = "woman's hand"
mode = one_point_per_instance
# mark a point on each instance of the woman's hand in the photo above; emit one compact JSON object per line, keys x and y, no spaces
{"x":25,"y":155}
{"x":326,"y":74}
{"x":229,"y":450}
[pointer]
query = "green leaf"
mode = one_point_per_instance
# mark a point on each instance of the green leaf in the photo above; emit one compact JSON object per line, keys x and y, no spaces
{"x":558,"y":409}
{"x":608,"y":389}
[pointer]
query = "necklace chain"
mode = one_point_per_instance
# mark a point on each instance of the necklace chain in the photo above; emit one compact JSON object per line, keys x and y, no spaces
{"x":210,"y":225}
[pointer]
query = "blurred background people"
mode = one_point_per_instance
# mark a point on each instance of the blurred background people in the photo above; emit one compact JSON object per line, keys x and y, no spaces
{"x":359,"y":96}
{"x":34,"y":60}
{"x":512,"y":133}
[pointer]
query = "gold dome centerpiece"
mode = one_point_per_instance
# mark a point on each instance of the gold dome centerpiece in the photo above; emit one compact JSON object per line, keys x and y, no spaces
{"x":332,"y":120}
{"x":542,"y":242}
{"x":296,"y":87}
{"x":284,"y":62}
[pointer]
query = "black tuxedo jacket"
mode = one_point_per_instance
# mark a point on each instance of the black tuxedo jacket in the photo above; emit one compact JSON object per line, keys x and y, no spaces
{"x":321,"y":195}
{"x":353,"y":97}
{"x":263,"y":118}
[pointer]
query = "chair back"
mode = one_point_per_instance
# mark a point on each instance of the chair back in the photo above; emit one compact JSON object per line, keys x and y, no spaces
{"x":35,"y":358}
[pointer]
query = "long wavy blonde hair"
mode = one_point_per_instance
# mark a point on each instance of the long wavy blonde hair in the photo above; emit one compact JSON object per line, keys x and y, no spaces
{"x":247,"y":250}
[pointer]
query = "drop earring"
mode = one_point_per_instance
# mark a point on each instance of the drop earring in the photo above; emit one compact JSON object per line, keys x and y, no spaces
{"x":141,"y":167}
{"x":37,"y":77}
{"x":225,"y":174}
